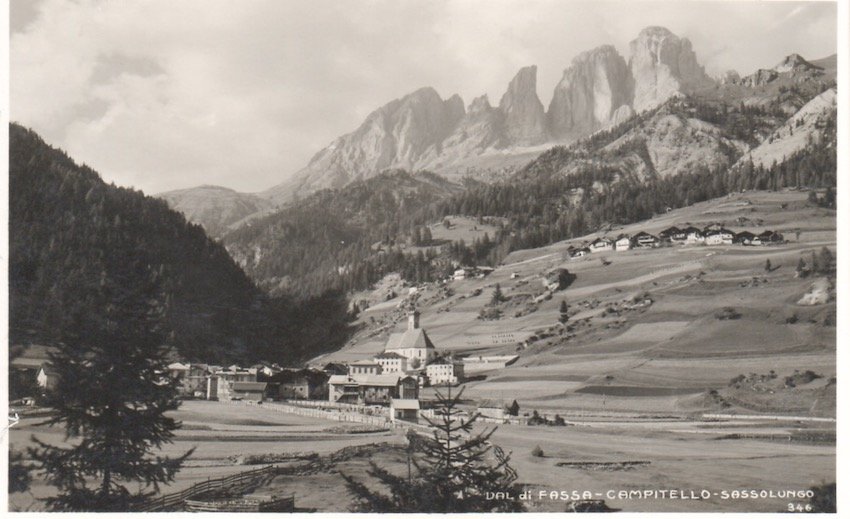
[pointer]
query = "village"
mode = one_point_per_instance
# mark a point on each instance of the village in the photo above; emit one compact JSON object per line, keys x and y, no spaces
{"x":390,"y":383}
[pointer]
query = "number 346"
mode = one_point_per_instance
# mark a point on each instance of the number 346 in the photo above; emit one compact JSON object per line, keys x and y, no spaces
{"x":799,"y":507}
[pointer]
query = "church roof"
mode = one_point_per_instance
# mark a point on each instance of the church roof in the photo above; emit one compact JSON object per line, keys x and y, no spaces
{"x":410,"y":339}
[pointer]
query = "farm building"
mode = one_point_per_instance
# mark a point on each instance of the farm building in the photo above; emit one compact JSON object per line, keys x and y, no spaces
{"x":694,"y":235}
{"x":719,"y":237}
{"x":622,"y":243}
{"x":492,"y":409}
{"x":579,"y":253}
{"x":371,"y":389}
{"x":343,"y":388}
{"x":601,"y":245}
{"x":771,"y":237}
{"x":673,"y":234}
{"x":406,"y":409}
{"x":745,"y":238}
{"x":414,"y":344}
{"x":254,"y":391}
{"x":304,"y":384}
{"x":644,"y":240}
{"x":47,"y":378}
{"x":486,"y":363}
{"x":444,"y":372}
{"x":557,"y":279}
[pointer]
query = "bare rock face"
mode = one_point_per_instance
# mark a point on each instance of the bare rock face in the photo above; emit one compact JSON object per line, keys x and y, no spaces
{"x":621,"y":114}
{"x":663,"y":65}
{"x":480,"y":129}
{"x":395,"y":135}
{"x":795,"y":63}
{"x":595,"y":85}
{"x":525,"y":120}
{"x":730,"y":77}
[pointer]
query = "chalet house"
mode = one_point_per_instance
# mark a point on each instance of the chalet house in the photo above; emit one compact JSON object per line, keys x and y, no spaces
{"x":771,"y":237}
{"x":601,"y":245}
{"x":253,"y":391}
{"x":673,"y":234}
{"x":304,"y":384}
{"x":644,"y":240}
{"x":364,"y":367}
{"x":719,"y":237}
{"x":745,"y":238}
{"x":414,"y":344}
{"x":622,"y":243}
{"x":694,"y":235}
{"x":371,"y":389}
{"x":444,"y":372}
{"x":391,"y":362}
{"x":343,"y":388}
{"x":220,"y":382}
{"x":462,"y":273}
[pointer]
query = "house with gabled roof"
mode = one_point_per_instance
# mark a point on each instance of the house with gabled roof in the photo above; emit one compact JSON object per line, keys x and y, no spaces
{"x":622,"y":243}
{"x":644,"y":240}
{"x":720,"y":236}
{"x":694,"y":235}
{"x":744,"y":238}
{"x":601,"y":245}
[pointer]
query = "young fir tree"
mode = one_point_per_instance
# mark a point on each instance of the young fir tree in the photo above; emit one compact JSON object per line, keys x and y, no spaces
{"x":454,"y":471}
{"x":113,"y":392}
{"x":498,"y":296}
{"x":564,"y":310}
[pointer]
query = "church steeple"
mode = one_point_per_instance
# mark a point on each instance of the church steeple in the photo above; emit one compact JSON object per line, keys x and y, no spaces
{"x":413,"y":320}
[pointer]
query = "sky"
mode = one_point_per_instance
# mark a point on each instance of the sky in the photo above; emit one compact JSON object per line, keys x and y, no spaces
{"x":169,"y":94}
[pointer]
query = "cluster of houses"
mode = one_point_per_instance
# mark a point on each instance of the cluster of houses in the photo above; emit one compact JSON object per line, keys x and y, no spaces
{"x":714,"y":234}
{"x":393,"y":377}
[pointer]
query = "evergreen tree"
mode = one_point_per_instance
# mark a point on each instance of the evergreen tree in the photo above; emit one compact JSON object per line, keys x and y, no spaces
{"x":826,"y":261}
{"x":513,"y":409}
{"x":455,"y":471}
{"x":564,"y":311}
{"x":113,"y":392}
{"x":498,"y":297}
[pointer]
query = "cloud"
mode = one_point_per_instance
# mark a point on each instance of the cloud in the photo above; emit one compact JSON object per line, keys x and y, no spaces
{"x":164,"y":94}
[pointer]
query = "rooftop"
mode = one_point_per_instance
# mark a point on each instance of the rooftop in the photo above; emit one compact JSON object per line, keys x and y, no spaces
{"x":410,"y":339}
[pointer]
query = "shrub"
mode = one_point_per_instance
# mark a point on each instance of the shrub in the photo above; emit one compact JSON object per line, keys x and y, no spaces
{"x":537,"y":452}
{"x":727,"y":313}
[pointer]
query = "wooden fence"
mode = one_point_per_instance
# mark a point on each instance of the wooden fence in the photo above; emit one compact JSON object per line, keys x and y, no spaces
{"x":234,"y":484}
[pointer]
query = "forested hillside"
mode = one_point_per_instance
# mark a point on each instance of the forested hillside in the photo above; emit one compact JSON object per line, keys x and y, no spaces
{"x":72,"y":235}
{"x":685,"y":151}
{"x":320,"y":243}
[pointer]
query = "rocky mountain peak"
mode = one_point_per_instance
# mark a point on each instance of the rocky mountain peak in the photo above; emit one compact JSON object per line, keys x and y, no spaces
{"x":595,"y":85}
{"x":480,"y":104}
{"x":794,"y":62}
{"x":525,"y":119}
{"x":663,"y":65}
